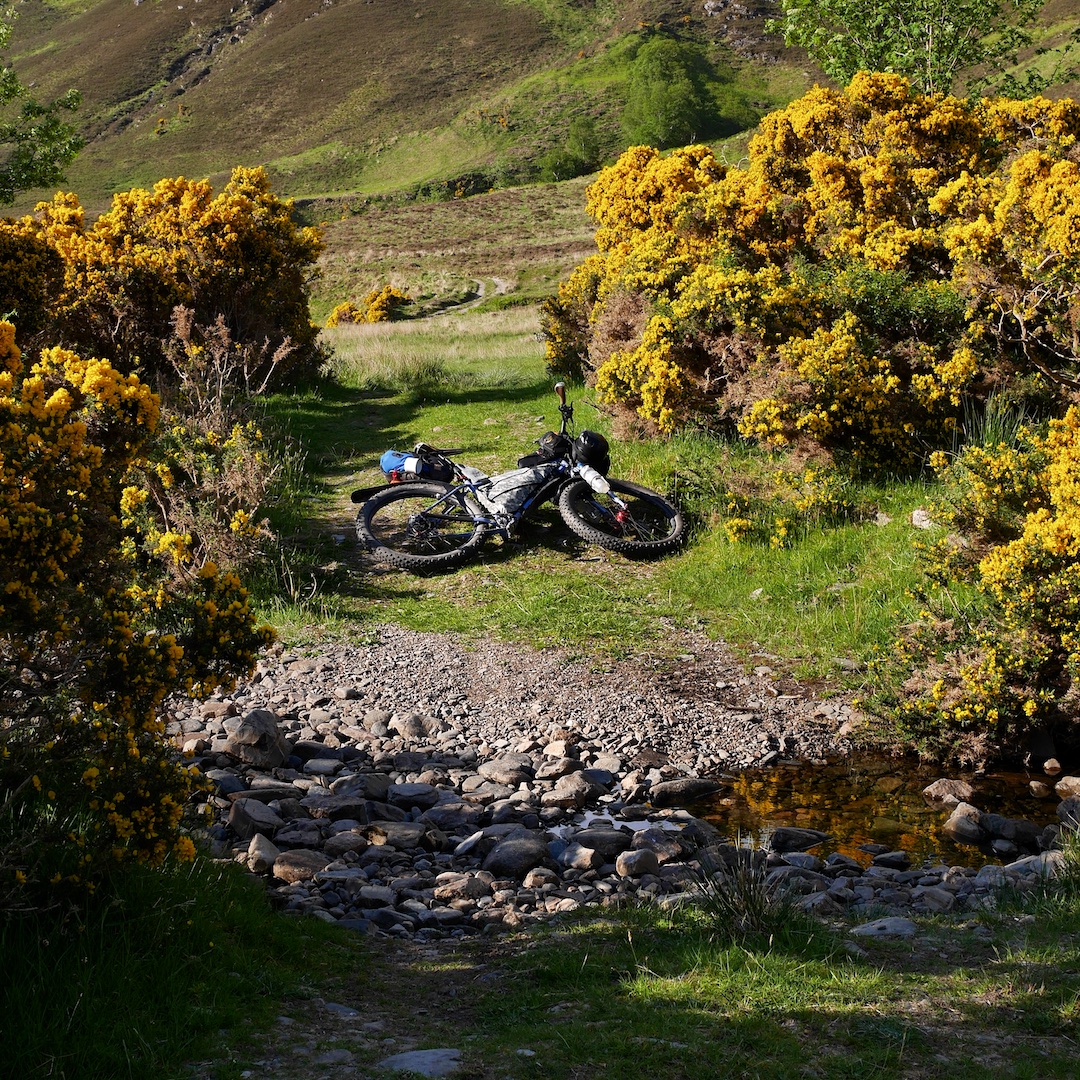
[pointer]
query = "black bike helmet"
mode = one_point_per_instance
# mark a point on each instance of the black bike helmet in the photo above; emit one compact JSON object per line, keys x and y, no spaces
{"x":591,"y":448}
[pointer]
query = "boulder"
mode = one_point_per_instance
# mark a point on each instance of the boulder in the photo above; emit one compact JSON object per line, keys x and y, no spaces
{"x":963,"y":824}
{"x":300,"y":864}
{"x":637,"y":863}
{"x":683,"y":791}
{"x":250,"y":816}
{"x":515,"y":856}
{"x":257,"y":740}
{"x":949,"y":792}
{"x":790,"y":838}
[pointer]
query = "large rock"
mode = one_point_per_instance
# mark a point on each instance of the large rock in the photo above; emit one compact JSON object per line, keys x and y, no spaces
{"x":664,"y":843}
{"x":1068,"y":813}
{"x":341,"y":843}
{"x":637,"y":863}
{"x":789,"y":838}
{"x":257,"y":740}
{"x":453,"y":816}
{"x":963,"y":824}
{"x":261,"y":854}
{"x":571,"y":792}
{"x":250,"y":816}
{"x":949,"y":791}
{"x":578,"y":857}
{"x":397,"y":834}
{"x":510,"y":769}
{"x":683,"y":791}
{"x":421,"y":796}
{"x":515,"y":856}
{"x":450,"y":887}
{"x":1067,"y":786}
{"x":336,"y":807}
{"x":300,"y":864}
{"x":609,"y":842}
{"x":367,"y":785}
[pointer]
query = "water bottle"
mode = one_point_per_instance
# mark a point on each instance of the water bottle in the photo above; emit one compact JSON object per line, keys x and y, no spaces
{"x":594,"y":479}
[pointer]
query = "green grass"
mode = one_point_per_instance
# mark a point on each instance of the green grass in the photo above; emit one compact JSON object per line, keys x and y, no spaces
{"x":476,"y":381}
{"x":188,"y":972}
{"x":158,"y":969}
{"x":641,"y":995}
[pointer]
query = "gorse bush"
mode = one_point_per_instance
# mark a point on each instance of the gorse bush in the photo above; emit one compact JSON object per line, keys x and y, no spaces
{"x":380,"y":305}
{"x":981,"y":677}
{"x":100,"y":620}
{"x":883,"y":256}
{"x":236,"y":256}
{"x":890,"y":273}
{"x":214,"y":457}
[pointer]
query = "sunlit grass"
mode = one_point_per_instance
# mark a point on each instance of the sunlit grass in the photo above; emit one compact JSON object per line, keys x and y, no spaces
{"x":642,"y":994}
{"x":494,"y":349}
{"x":829,"y":600}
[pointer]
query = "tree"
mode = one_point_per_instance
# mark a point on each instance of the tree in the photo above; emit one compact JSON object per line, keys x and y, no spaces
{"x":576,"y":157}
{"x":36,"y":144}
{"x":666,"y":99}
{"x":928,"y":41}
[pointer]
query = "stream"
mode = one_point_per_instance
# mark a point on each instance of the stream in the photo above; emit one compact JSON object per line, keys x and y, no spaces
{"x":867,"y":799}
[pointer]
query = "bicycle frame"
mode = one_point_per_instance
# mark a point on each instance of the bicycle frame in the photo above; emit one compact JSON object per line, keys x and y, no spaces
{"x":467,"y":490}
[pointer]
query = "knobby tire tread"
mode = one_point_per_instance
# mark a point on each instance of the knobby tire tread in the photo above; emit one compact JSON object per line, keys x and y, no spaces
{"x":423,"y":494}
{"x":579,"y":494}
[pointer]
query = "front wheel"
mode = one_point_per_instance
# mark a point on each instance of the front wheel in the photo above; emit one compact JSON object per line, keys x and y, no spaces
{"x":419,"y":526}
{"x":639,"y":523}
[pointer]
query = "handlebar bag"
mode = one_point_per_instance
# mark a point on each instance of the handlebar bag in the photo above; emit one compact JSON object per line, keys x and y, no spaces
{"x":552,"y":447}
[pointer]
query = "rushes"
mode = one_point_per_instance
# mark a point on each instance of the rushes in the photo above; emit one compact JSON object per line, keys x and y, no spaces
{"x":736,"y":894}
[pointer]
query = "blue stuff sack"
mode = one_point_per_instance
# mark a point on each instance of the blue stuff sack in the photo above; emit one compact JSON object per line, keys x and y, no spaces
{"x":400,"y":466}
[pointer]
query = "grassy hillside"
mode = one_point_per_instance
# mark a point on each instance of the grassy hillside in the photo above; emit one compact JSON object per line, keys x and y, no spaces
{"x":513,"y":243}
{"x":377,"y":115}
{"x":345,"y":96}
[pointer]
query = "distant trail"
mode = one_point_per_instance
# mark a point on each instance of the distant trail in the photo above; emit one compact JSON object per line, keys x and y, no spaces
{"x":501,"y":286}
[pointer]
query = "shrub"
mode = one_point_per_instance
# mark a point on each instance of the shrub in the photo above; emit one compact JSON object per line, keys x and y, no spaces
{"x":99,"y":622}
{"x":980,"y":677}
{"x":884,"y":256}
{"x":380,"y":305}
{"x":238,"y":255}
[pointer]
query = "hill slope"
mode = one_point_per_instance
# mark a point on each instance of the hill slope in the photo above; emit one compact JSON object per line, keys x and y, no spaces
{"x":356,"y":107}
{"x":339,"y":96}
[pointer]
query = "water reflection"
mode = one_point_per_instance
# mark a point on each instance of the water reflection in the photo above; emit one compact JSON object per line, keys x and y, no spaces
{"x":866,"y":799}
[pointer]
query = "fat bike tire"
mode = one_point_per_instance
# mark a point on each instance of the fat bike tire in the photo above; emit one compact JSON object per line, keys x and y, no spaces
{"x":419,"y":527}
{"x":648,"y":528}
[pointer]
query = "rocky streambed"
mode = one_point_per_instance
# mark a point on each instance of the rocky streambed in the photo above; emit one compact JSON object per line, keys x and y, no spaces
{"x":416,"y":785}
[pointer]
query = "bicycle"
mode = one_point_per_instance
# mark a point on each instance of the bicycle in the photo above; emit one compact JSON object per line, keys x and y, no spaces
{"x":435,"y":512}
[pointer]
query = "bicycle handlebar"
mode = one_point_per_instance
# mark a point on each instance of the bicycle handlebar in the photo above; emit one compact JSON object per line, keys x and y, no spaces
{"x":565,"y":411}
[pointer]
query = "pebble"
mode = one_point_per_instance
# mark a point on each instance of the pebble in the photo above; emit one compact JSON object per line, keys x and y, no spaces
{"x":418,"y":786}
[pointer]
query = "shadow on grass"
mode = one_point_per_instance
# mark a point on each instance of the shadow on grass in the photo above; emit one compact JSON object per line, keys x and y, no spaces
{"x":345,"y":430}
{"x":630,"y":998}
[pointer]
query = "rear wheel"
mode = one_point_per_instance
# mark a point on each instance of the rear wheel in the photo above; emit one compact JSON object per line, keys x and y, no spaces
{"x":646,"y":526}
{"x":419,"y":526}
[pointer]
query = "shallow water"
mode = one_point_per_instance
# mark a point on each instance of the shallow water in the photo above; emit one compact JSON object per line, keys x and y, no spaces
{"x":868,"y":800}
